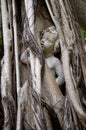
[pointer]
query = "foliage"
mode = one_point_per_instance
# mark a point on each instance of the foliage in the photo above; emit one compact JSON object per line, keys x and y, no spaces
{"x":83,"y":33}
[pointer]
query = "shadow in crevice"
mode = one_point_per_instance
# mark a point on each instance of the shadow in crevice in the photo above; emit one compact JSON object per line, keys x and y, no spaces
{"x":53,"y":116}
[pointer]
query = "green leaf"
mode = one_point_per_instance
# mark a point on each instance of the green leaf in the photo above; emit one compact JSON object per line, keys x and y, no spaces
{"x":83,"y":33}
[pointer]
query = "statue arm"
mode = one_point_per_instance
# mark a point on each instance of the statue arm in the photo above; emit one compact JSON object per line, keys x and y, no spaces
{"x":59,"y":71}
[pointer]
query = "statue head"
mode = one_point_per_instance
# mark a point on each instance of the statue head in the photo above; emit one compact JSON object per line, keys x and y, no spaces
{"x":48,"y":40}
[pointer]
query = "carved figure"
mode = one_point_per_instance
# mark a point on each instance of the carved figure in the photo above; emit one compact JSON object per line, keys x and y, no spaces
{"x":49,"y":43}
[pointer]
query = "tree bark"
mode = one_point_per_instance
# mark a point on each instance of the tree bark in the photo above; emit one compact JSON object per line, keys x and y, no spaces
{"x":31,"y":98}
{"x":80,"y":8}
{"x":6,"y":75}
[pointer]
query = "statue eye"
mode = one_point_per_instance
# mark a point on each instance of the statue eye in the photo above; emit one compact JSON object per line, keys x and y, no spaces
{"x":42,"y":33}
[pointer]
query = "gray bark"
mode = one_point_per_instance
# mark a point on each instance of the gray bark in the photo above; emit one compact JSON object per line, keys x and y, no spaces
{"x":28,"y":88}
{"x":80,"y":9}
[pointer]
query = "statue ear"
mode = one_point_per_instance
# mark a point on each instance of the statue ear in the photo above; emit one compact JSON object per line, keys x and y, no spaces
{"x":57,"y":46}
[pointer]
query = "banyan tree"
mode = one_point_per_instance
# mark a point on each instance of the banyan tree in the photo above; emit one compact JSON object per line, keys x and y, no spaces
{"x":38,"y":36}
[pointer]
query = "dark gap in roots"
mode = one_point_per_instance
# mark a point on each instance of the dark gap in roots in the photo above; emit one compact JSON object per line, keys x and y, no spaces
{"x":53,"y":117}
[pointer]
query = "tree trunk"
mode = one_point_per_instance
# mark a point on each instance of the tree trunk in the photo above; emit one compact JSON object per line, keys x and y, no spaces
{"x":31,"y":98}
{"x":80,"y":8}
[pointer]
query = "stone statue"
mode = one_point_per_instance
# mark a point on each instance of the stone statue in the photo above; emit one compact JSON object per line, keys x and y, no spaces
{"x":50,"y":44}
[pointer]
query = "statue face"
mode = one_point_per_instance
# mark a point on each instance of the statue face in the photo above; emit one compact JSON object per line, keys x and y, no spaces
{"x":49,"y":36}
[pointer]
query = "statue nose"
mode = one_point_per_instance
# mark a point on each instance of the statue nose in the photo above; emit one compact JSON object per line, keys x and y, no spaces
{"x":42,"y":42}
{"x":42,"y":45}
